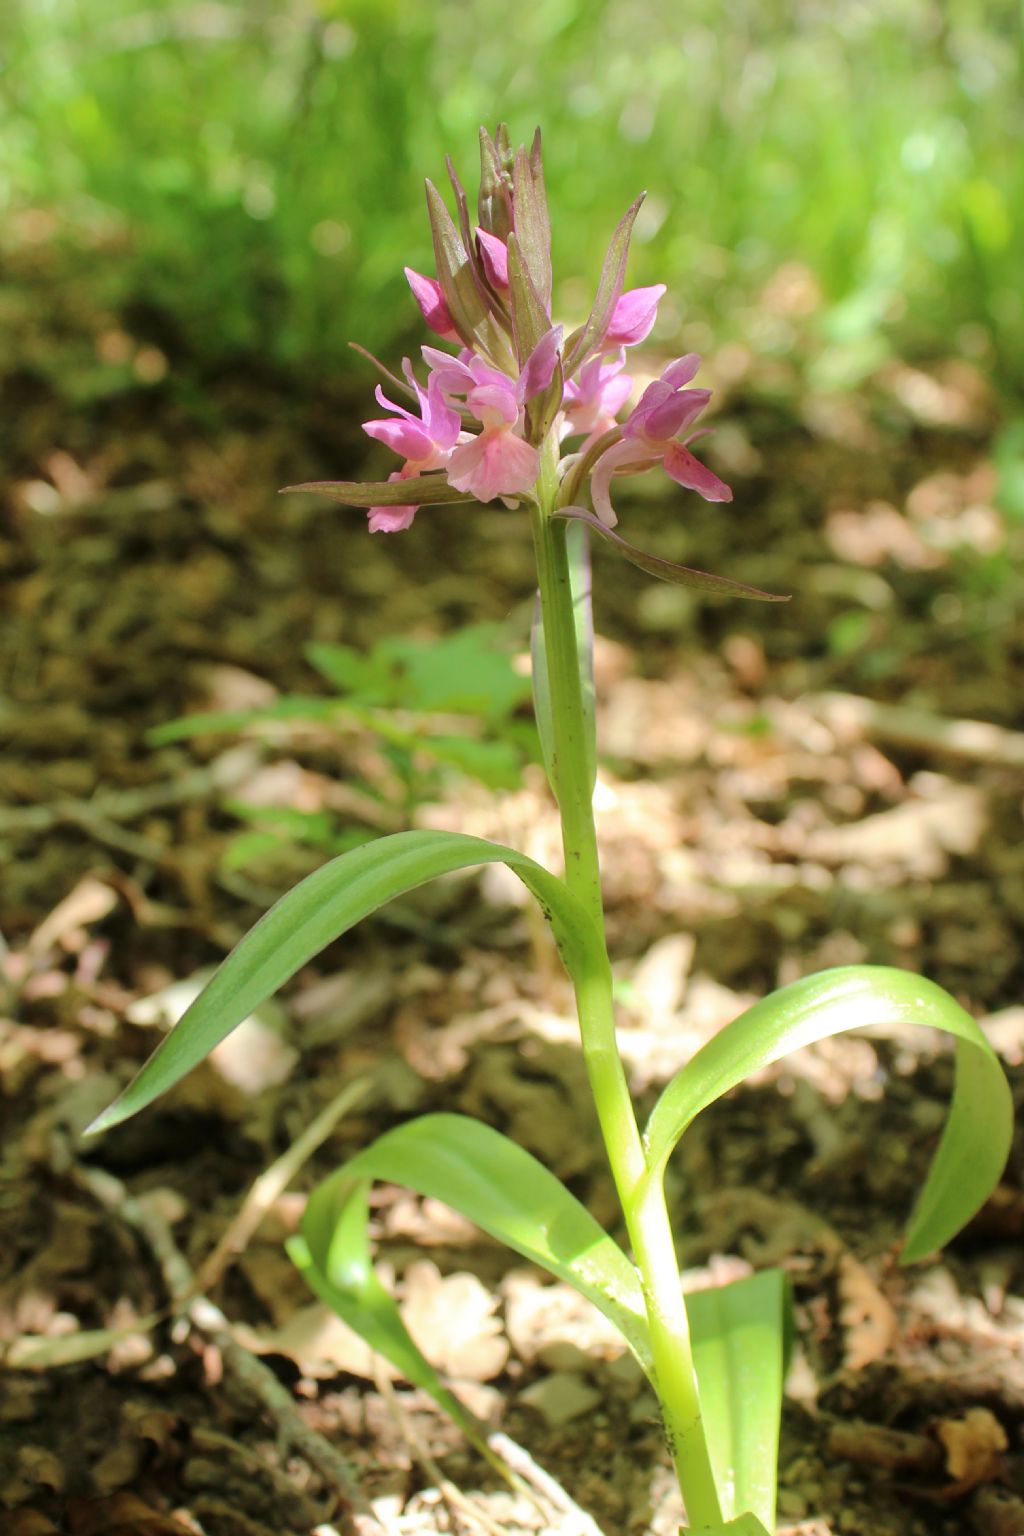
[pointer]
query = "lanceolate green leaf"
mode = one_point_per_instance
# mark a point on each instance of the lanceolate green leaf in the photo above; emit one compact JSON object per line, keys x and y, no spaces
{"x":738,"y":1333}
{"x":976,"y":1141}
{"x":745,"y":1525}
{"x":336,"y":1264}
{"x":501,"y":1188}
{"x":323,"y":906}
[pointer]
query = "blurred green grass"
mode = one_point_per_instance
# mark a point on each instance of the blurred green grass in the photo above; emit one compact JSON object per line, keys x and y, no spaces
{"x":835,"y":181}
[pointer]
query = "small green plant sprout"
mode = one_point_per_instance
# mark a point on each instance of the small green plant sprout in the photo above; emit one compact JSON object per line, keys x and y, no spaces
{"x":433,"y":709}
{"x":516,"y":411}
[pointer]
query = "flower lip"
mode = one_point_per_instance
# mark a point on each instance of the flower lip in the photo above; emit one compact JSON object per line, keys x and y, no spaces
{"x":495,"y":463}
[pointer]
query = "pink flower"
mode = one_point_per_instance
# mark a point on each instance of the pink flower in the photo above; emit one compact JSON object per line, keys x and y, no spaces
{"x":495,"y":463}
{"x":424,"y":441}
{"x":494,"y":255}
{"x":594,"y":398}
{"x":499,"y":461}
{"x":650,"y":435}
{"x":392,"y":519}
{"x":633,"y":317}
{"x":429,"y":296}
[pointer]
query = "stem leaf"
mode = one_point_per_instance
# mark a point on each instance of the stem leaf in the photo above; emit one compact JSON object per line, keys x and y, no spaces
{"x":499,"y":1186}
{"x":578,"y":550}
{"x":976,"y":1141}
{"x":321,"y":908}
{"x":666,"y":570}
{"x":738,"y":1333}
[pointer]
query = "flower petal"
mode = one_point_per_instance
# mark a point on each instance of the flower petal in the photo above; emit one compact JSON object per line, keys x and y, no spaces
{"x":494,"y":255}
{"x":429,"y":296}
{"x":624,"y":452}
{"x":539,"y":368}
{"x":496,"y":463}
{"x":682,"y":370}
{"x":408,"y":438}
{"x":680,"y":410}
{"x":391,"y":519}
{"x":633,"y":316}
{"x":680,"y":463}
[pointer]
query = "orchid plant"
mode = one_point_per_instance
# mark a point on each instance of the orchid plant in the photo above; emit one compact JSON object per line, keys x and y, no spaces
{"x":511,"y":408}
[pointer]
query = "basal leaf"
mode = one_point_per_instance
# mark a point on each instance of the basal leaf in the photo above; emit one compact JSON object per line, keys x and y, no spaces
{"x":666,"y":570}
{"x":743,"y":1525}
{"x":500,"y":1187}
{"x":975,"y":1143}
{"x":738,"y":1333}
{"x":335,"y":1262}
{"x":324,"y":905}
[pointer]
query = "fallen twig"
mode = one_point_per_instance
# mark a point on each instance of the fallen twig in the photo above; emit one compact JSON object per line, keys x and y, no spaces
{"x":976,"y":741}
{"x":356,"y":1517}
{"x":575,"y":1521}
{"x":273,"y":1183}
{"x":104,"y":814}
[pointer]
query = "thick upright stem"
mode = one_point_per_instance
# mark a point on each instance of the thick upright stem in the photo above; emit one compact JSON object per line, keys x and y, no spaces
{"x":642,"y":1199}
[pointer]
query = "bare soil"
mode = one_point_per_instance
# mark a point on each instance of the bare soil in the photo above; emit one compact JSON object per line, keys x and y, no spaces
{"x":752,"y":831}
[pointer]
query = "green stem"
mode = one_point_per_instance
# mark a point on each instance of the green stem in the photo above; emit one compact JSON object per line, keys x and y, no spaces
{"x":642,"y":1198}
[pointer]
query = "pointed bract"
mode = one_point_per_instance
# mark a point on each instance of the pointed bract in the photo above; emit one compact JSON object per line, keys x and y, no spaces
{"x":494,"y":204}
{"x":609,"y":290}
{"x":667,"y":570}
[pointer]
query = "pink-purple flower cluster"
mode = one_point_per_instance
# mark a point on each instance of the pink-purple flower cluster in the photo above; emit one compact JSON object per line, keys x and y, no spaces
{"x":477,"y":427}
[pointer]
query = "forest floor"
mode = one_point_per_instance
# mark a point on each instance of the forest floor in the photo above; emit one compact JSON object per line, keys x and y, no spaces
{"x":756,"y":825}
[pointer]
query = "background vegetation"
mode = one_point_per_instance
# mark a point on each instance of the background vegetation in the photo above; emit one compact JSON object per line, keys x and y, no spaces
{"x":254,"y":167}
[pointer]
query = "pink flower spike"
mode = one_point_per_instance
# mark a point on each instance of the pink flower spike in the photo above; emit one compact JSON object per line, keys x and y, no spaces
{"x":429,"y":296}
{"x":494,"y":255}
{"x":633,"y":316}
{"x":682,"y":370}
{"x":497,"y":463}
